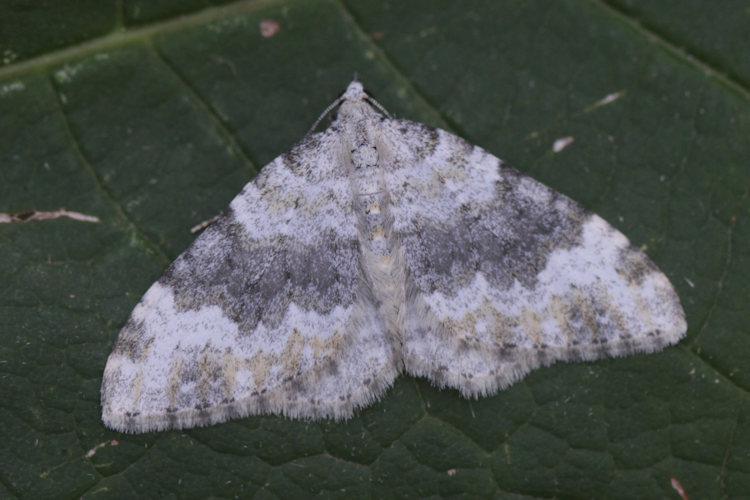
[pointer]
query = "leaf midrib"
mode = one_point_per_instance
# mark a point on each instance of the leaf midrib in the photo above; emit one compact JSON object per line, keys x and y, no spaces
{"x":127,"y":36}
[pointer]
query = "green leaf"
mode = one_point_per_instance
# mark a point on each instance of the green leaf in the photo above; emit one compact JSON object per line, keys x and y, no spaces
{"x":151,"y":116}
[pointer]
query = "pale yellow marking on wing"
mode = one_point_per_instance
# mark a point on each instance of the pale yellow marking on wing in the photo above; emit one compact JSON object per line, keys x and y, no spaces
{"x":644,"y":311}
{"x":326,"y":348}
{"x":230,"y":367}
{"x":503,"y":325}
{"x":499,"y":325}
{"x":291,"y":356}
{"x":207,"y":365}
{"x":373,"y":208}
{"x":614,"y":312}
{"x":138,"y":389}
{"x":557,"y":308}
{"x":260,"y":366}
{"x":531,"y":325}
{"x":584,"y":305}
{"x":377,"y":232}
{"x":146,"y":349}
{"x":174,"y":380}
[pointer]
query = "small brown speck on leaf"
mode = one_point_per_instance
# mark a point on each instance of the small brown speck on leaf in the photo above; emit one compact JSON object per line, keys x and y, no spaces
{"x":268,"y":28}
{"x":677,"y":486}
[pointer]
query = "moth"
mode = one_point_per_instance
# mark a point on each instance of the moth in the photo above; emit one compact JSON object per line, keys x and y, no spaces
{"x":378,"y":247}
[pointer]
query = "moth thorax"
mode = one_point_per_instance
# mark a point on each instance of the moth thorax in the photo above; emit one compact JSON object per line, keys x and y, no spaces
{"x":381,"y":255}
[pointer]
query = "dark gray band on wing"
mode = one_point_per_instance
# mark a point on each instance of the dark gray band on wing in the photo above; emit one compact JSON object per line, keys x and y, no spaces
{"x":422,"y":139}
{"x":510,"y":240}
{"x":297,"y":158}
{"x":255,"y":281}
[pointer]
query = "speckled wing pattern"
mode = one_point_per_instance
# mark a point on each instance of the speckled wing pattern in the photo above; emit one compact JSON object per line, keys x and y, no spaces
{"x":266,"y":312}
{"x":507,"y":275}
{"x":376,"y":247}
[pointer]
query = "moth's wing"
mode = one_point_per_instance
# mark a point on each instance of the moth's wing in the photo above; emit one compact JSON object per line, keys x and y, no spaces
{"x":506,"y":275}
{"x":262,"y":314}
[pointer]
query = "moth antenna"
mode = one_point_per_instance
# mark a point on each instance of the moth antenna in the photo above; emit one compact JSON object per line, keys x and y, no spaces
{"x":371,"y":100}
{"x":330,"y":107}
